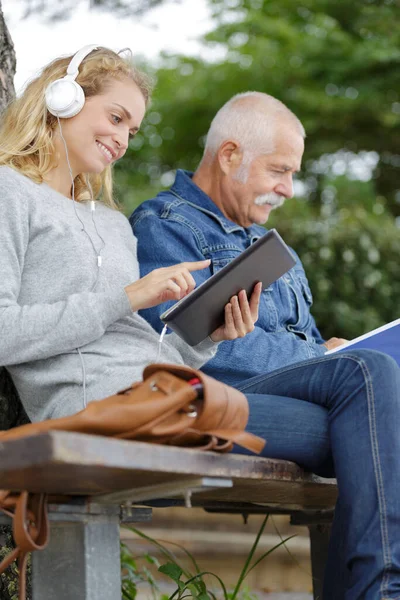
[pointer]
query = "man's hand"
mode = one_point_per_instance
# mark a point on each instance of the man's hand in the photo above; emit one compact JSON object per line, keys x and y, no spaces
{"x":334,"y":343}
{"x":240,"y":316}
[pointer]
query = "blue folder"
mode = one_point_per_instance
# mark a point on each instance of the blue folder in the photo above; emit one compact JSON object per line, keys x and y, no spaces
{"x":385,"y":339}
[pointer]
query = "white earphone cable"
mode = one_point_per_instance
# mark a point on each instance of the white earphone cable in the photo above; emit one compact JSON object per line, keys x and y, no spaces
{"x":93,"y":208}
{"x":160,"y":341}
{"x":97,"y":252}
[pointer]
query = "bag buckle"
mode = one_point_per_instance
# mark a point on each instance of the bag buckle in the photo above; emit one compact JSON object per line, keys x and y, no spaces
{"x":192,"y":411}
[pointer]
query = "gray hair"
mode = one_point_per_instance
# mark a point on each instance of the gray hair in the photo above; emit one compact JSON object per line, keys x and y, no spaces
{"x":250,"y":119}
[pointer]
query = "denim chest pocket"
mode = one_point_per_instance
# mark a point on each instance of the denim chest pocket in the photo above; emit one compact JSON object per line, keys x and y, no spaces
{"x":268,"y":318}
{"x":300,"y":301}
{"x":305,"y":289}
{"x":218,"y":262}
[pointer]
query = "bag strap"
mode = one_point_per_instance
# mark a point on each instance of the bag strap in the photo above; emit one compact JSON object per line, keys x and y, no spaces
{"x":241,"y":438}
{"x":30,"y":529}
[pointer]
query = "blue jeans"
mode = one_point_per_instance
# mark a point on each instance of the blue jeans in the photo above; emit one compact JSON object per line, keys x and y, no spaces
{"x":340,"y":414}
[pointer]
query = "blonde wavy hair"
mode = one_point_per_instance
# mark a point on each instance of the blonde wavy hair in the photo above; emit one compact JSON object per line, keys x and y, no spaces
{"x":27,"y":128}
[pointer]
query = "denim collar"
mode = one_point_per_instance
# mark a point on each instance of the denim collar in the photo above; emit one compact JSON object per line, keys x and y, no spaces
{"x":184,"y":188}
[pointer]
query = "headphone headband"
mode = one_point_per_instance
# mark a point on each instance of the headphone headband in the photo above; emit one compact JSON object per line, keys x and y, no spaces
{"x":73,"y":67}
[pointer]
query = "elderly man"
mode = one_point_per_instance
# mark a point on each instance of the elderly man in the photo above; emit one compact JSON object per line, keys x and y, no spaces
{"x":319,"y":411}
{"x":254,"y":146}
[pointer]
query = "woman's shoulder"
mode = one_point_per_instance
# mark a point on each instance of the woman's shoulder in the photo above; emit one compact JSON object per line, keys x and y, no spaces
{"x":15,"y":205}
{"x":12,"y":179}
{"x":18,"y":196}
{"x":8,"y":174}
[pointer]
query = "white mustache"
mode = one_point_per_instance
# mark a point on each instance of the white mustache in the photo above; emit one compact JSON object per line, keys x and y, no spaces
{"x":271,"y":198}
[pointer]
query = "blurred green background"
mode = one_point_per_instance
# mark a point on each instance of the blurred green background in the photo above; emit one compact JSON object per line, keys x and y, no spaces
{"x":336,"y":64}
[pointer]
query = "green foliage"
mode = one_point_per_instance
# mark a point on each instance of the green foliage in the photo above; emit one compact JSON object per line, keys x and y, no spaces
{"x":135,"y":572}
{"x":193,"y":584}
{"x":335,"y":64}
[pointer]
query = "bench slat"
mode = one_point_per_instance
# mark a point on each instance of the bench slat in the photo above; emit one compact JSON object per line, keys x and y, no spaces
{"x":70,"y":463}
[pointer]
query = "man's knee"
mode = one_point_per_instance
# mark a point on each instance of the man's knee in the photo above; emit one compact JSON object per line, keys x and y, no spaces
{"x":374,"y":362}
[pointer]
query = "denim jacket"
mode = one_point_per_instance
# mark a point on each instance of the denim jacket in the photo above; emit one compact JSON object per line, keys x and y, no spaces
{"x":184,"y":224}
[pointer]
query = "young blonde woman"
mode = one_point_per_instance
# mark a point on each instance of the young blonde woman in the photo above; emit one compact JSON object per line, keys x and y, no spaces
{"x":70,"y":287}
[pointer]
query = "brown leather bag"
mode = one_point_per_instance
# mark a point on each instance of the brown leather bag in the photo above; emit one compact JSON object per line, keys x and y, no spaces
{"x":163,"y":409}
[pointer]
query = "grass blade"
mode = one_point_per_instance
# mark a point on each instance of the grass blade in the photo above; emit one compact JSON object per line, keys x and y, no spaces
{"x":269,"y":552}
{"x":164,"y":550}
{"x":249,"y":558}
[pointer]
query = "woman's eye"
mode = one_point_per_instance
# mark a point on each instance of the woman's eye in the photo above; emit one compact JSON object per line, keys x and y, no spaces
{"x":116,"y":119}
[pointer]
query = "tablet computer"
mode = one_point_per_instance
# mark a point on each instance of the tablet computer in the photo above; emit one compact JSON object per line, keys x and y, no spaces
{"x":199,"y":313}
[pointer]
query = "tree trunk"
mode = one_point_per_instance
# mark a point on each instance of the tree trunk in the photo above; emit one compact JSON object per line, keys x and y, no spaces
{"x":11,"y":411}
{"x":7,"y":64}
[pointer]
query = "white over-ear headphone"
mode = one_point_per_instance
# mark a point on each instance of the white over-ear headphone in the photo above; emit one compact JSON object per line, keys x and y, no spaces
{"x":65,"y":97}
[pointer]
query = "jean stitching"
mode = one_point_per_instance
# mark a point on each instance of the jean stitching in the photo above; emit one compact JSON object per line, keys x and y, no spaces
{"x":378,"y":474}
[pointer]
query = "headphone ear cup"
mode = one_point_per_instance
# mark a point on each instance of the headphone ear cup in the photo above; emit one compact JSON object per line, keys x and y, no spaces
{"x":64,"y":98}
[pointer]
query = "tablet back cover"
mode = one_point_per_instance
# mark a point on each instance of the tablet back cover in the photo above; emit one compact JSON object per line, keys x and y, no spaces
{"x":197,"y":315}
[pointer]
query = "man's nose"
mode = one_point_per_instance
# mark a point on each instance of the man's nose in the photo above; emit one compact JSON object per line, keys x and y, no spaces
{"x":285,"y":188}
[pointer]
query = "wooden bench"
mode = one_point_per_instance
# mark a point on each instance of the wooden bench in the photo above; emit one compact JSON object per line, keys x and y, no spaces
{"x":82,"y":559}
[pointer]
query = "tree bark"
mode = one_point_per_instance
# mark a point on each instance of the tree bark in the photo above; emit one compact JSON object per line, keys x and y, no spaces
{"x":11,"y":411}
{"x":7,"y":64}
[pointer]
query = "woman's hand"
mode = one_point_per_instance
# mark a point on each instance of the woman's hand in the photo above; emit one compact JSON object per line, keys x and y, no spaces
{"x":240,"y":316}
{"x":167,"y":283}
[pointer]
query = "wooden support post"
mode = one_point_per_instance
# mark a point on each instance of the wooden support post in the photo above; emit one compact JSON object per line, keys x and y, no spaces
{"x":319,"y":538}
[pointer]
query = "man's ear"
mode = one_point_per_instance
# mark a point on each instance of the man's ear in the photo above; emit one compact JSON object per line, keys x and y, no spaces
{"x":230,"y":157}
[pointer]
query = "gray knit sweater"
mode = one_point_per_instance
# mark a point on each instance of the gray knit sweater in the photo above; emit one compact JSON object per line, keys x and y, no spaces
{"x":67,"y":332}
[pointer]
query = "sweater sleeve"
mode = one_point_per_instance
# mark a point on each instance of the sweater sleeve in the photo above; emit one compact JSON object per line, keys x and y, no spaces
{"x":36,"y":331}
{"x":193,"y":356}
{"x":181,"y":249}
